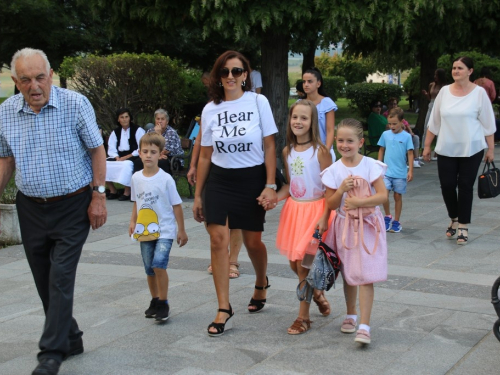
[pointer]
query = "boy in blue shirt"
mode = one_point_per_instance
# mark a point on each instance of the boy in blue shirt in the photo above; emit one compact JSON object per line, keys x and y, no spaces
{"x":396,"y":147}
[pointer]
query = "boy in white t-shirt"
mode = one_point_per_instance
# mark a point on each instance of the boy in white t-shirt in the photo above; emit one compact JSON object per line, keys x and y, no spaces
{"x":157,"y":208}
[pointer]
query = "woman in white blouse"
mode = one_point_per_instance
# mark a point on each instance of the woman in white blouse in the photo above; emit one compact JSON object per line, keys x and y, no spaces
{"x":463,"y":118}
{"x":123,"y":149}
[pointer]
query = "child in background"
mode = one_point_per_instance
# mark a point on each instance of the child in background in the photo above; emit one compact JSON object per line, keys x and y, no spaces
{"x":305,"y":208}
{"x":395,"y":147}
{"x":157,"y":208}
{"x":338,"y":179}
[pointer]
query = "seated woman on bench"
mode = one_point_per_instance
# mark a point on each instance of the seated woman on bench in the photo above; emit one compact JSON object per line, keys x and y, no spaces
{"x":123,"y":145}
{"x":172,"y":143}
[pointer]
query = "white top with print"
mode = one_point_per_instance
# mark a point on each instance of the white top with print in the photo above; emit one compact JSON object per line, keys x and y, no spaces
{"x":305,"y":179}
{"x":233,"y":130}
{"x":155,"y":197}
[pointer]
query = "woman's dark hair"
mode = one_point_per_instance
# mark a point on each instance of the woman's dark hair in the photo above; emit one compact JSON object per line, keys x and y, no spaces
{"x":315,"y":72}
{"x":215,"y":90}
{"x":121,"y":111}
{"x":467,"y":61}
{"x":300,"y":87}
{"x":485,"y":72}
{"x":373,"y":103}
{"x":441,"y":76}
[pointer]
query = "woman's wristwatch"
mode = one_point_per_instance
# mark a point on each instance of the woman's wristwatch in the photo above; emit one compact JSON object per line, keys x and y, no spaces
{"x":272,"y":186}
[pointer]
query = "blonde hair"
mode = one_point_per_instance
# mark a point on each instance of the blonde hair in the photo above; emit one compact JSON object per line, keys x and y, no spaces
{"x":291,"y":138}
{"x":396,"y":112}
{"x":152,"y":138}
{"x":353,"y":124}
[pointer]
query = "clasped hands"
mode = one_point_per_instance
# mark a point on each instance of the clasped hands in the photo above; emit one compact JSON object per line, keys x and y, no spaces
{"x":268,"y":199}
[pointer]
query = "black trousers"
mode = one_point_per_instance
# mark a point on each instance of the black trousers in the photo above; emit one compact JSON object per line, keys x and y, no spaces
{"x":462,"y":173}
{"x":53,"y":236}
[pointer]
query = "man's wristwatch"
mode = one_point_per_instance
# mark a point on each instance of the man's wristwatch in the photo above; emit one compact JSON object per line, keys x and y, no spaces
{"x":272,"y":186}
{"x":100,"y":189}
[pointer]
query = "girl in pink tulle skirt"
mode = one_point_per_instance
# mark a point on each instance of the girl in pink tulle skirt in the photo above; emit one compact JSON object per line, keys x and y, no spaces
{"x":305,"y":208}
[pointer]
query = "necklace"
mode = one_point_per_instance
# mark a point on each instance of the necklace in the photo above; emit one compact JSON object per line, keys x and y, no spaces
{"x":302,"y":143}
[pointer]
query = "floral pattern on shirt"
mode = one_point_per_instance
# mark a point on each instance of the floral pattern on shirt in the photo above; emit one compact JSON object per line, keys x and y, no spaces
{"x":172,"y":142}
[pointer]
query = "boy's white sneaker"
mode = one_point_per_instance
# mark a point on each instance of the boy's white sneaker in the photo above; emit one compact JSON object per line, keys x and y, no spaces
{"x":416,"y":164}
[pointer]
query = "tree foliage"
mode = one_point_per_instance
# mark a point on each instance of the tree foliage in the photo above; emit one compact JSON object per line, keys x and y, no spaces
{"x":355,"y":69}
{"x":362,"y":94}
{"x":421,"y":30}
{"x":59,"y":27}
{"x":142,"y":83}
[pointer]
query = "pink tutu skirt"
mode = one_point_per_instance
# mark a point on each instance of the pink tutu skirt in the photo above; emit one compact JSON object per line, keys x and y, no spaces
{"x":297,"y":224}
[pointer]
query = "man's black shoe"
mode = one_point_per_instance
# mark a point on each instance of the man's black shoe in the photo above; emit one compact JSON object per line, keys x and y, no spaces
{"x":47,"y":366}
{"x":75,"y":348}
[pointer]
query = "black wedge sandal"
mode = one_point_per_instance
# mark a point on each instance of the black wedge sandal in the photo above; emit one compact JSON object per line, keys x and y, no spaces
{"x":222,"y":327}
{"x":450,"y":232}
{"x":258,"y":303}
{"x":461,"y":239}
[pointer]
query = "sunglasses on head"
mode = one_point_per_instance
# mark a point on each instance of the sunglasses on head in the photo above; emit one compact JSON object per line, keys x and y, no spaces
{"x":236,"y":72}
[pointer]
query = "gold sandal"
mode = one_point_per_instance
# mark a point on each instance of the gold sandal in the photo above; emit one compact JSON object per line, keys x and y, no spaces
{"x":234,"y":270}
{"x":323,"y":306}
{"x":299,"y":326}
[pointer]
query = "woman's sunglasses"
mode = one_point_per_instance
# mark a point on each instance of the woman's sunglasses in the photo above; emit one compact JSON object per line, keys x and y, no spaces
{"x":236,"y":72}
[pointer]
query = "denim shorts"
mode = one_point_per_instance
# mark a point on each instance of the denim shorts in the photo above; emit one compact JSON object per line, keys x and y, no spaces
{"x":396,"y":184}
{"x":155,"y":254}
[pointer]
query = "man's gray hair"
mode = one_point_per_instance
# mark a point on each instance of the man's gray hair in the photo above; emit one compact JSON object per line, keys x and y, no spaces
{"x":24,"y":53}
{"x":162,"y":111}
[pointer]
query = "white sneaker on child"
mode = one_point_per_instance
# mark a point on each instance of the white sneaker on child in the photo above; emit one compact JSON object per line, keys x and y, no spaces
{"x":416,"y":164}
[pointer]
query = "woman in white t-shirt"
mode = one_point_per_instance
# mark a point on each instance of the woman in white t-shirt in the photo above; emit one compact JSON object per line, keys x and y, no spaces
{"x":463,"y":118}
{"x":236,"y":170}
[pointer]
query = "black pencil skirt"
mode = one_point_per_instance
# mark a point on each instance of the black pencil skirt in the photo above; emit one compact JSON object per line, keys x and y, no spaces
{"x":231,"y":194}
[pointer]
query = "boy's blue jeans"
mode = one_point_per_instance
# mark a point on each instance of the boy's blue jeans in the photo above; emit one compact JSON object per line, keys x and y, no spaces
{"x":155,"y":254}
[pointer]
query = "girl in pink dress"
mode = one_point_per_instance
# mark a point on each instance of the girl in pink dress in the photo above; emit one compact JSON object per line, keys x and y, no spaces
{"x":360,"y":267}
{"x":305,"y":208}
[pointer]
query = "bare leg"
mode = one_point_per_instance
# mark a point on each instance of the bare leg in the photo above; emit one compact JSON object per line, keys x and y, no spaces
{"x":398,"y":205}
{"x":162,"y":283}
{"x":366,"y":294}
{"x":235,"y":242}
{"x":302,"y":274}
{"x":219,"y":241}
{"x":350,"y":294}
{"x":126,"y":190}
{"x":111,"y":187}
{"x":387,"y":206}
{"x":258,"y":255}
{"x":152,"y":286}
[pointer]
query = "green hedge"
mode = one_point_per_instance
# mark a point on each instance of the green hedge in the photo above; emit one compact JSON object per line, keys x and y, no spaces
{"x":362,"y":94}
{"x":334,"y":86}
{"x":141,"y":82}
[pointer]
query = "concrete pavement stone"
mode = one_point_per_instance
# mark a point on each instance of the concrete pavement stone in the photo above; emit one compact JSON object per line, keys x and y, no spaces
{"x":432,"y":316}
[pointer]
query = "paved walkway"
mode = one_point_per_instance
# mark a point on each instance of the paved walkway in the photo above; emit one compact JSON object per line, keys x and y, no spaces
{"x":433,"y":315}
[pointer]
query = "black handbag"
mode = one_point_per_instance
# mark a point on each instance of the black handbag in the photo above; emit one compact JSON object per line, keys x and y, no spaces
{"x":488,"y":182}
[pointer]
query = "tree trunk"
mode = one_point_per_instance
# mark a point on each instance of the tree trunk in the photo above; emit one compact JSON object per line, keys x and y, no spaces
{"x":274,"y":49}
{"x":428,"y":64}
{"x":308,"y":55}
{"x":63,"y":82}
